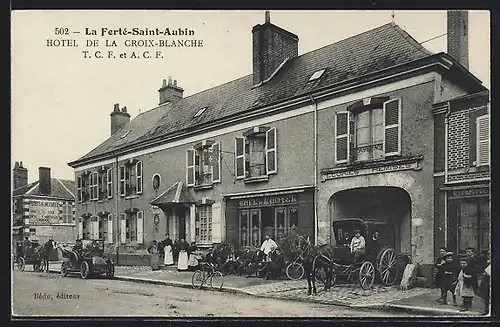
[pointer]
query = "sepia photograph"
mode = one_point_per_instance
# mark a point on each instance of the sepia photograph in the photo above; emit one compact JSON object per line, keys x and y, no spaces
{"x":250,"y":164}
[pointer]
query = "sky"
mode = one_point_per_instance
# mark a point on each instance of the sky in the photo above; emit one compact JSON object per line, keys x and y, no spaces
{"x":61,"y":101}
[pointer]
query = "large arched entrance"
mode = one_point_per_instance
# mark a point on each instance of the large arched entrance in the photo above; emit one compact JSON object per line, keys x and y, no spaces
{"x":390,"y":205}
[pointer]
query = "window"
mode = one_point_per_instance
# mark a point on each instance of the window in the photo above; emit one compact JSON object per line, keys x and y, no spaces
{"x":316,"y":75}
{"x":483,"y":140}
{"x":200,"y":112}
{"x":368,"y":134}
{"x":156,"y":182}
{"x":203,"y":223}
{"x":67,"y":213}
{"x":131,"y":228}
{"x":256,"y":153}
{"x":83,"y":183}
{"x":203,"y":164}
{"x":474,"y":224}
{"x":102,"y":189}
{"x":94,"y":186}
{"x":33,"y":231}
{"x":109,"y":184}
{"x":131,"y":176}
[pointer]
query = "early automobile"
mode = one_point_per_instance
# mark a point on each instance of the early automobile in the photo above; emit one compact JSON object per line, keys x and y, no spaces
{"x":91,"y":261}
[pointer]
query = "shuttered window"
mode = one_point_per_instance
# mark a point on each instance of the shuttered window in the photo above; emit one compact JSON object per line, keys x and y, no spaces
{"x":109,"y":184}
{"x":123,"y":228}
{"x":79,"y":185}
{"x":342,"y":136}
{"x":216,"y":223}
{"x":140,"y":227}
{"x":203,"y":224}
{"x":122,"y":181}
{"x":271,"y":152}
{"x":483,"y":140}
{"x":110,"y":229}
{"x":392,"y":127}
{"x":190,"y":169}
{"x":138,"y":178}
{"x":239,"y":145}
{"x":215,"y":161}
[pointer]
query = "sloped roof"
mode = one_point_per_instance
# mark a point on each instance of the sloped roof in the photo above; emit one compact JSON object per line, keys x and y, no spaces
{"x":377,"y":49}
{"x":60,"y":188}
{"x":177,"y":193}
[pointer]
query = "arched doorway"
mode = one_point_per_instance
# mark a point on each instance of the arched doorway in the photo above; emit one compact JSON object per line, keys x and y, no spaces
{"x":391,"y":205}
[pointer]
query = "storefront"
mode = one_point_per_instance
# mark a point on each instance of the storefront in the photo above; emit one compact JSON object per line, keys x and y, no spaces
{"x":249,"y":217}
{"x":469,"y":220}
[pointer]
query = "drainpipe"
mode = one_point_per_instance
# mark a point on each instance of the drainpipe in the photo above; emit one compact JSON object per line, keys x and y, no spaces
{"x":117,"y":207}
{"x":315,"y":168}
{"x":446,"y":117}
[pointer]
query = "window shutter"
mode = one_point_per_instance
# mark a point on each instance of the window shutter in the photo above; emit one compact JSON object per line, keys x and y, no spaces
{"x":216,"y":223}
{"x":80,"y":227}
{"x":190,"y":167}
{"x":483,"y":140}
{"x":392,"y":127}
{"x":139,"y":177}
{"x":192,"y":222}
{"x":216,"y":163}
{"x":239,"y":149}
{"x":94,"y":228}
{"x":79,"y":194}
{"x":123,"y":228}
{"x":271,"y":152}
{"x":140,"y":227}
{"x":342,"y":136}
{"x":99,"y":186}
{"x":109,"y":180}
{"x":110,"y":228}
{"x":122,"y":181}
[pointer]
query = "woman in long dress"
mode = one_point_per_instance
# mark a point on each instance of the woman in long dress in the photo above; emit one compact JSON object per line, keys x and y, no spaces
{"x":182,"y":264}
{"x":194,"y":257}
{"x":155,"y":256}
{"x":169,"y":258}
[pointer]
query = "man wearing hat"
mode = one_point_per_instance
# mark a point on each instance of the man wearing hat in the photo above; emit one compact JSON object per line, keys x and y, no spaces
{"x":449,"y":272}
{"x":357,"y":245}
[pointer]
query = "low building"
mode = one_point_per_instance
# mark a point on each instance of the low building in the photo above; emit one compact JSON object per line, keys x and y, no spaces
{"x":43,"y":209}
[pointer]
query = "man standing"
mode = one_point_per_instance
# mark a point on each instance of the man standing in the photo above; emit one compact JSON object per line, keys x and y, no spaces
{"x":268,"y":246}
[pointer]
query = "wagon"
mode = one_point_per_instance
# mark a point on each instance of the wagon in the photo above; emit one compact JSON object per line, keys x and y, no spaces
{"x":381,"y":262}
{"x":90,"y":262}
{"x":30,"y":255}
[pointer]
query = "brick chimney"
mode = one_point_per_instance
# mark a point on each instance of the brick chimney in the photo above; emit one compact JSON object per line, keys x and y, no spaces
{"x":20,"y":175}
{"x":44,"y":181}
{"x":458,"y":36}
{"x":170,"y":92}
{"x":271,"y":46}
{"x":119,"y":118}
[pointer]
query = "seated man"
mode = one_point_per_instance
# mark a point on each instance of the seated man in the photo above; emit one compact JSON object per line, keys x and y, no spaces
{"x":78,"y":248}
{"x":357,"y":246}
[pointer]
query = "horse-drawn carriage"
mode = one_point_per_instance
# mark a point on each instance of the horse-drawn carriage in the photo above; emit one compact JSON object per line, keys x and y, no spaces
{"x":380,"y":260}
{"x":28,"y":255}
{"x":90,"y":261}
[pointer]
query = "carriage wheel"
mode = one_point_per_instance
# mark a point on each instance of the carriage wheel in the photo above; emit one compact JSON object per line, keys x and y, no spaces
{"x":64,"y":270}
{"x":366,"y":275}
{"x":43,"y":264}
{"x":84,"y":270}
{"x":216,"y":280}
{"x":387,"y":267}
{"x":295,"y":271}
{"x":21,"y":264}
{"x":198,"y":279}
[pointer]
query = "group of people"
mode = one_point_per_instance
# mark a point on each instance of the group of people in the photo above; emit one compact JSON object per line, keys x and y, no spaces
{"x":187,"y":255}
{"x":459,"y":276}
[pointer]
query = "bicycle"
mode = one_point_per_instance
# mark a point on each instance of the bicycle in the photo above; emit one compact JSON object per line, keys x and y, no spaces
{"x":295,"y":270}
{"x":207,"y":273}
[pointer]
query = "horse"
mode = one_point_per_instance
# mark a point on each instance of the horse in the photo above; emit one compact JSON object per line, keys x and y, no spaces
{"x":315,"y":258}
{"x":43,"y":253}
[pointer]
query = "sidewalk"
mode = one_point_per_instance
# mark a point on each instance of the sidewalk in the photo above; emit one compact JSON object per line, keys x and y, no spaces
{"x":421,"y":301}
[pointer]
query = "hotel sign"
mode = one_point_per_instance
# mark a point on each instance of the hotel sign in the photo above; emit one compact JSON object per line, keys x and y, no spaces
{"x":472,"y":192}
{"x":43,"y":212}
{"x":369,"y":171}
{"x":268,"y":200}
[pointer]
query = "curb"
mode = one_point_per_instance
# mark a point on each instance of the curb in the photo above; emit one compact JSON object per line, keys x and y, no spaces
{"x":234,"y":290}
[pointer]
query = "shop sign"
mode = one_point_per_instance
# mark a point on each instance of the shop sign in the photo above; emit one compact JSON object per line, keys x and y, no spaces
{"x":268,"y":200}
{"x":43,"y":212}
{"x":470,"y":192}
{"x":373,"y":170}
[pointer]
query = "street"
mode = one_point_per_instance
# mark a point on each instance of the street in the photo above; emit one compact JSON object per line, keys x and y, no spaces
{"x":51,"y":294}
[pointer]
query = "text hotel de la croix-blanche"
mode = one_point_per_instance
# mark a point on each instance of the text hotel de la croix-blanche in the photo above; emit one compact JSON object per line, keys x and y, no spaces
{"x":95,"y":38}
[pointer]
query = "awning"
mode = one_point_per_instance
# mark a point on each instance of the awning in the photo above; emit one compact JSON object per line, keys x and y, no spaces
{"x":177,"y":193}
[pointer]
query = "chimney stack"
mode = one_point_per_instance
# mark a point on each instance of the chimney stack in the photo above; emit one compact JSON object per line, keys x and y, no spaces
{"x":271,"y":46}
{"x":44,"y":180}
{"x":20,"y":175}
{"x":170,"y":92}
{"x":458,"y":36}
{"x":118,"y":118}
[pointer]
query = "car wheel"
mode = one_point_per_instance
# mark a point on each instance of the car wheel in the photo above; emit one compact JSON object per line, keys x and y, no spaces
{"x":64,"y":270}
{"x":84,"y":270}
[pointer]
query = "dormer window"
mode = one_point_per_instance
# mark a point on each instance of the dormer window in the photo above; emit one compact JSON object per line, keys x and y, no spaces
{"x":256,"y":154}
{"x":200,"y":112}
{"x":203,"y":164}
{"x":316,"y":75}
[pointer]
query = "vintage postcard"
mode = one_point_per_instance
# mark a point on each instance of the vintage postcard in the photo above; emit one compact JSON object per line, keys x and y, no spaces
{"x":250,"y":163}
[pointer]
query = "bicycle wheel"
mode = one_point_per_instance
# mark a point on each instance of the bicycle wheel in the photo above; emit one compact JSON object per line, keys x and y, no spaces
{"x":21,"y":264}
{"x":198,"y":279}
{"x":216,"y":280}
{"x":295,"y":271}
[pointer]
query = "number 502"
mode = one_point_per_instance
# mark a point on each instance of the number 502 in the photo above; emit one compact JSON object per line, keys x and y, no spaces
{"x":61,"y":31}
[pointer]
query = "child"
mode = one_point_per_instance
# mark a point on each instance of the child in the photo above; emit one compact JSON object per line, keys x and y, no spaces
{"x":439,"y":268}
{"x":467,"y":279}
{"x":449,"y":275}
{"x":357,"y":245}
{"x":484,"y":288}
